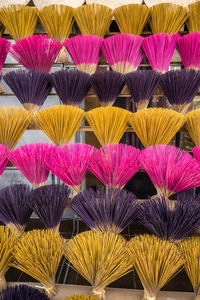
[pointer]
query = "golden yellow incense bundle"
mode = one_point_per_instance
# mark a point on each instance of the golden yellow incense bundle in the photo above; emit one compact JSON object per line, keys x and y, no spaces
{"x":108,"y":123}
{"x":59,"y":122}
{"x":190,"y":249}
{"x":193,"y":21}
{"x":156,"y":262}
{"x":13,"y":123}
{"x":100,"y":258}
{"x":167,"y":18}
{"x":38,"y":253}
{"x":131,"y":18}
{"x":19,"y":20}
{"x":93,"y":19}
{"x":155,"y":126}
{"x":193,"y":125}
{"x":81,"y":297}
{"x":7,"y":241}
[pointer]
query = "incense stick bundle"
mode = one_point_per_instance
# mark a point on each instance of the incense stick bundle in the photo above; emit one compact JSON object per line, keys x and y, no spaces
{"x":113,"y":4}
{"x":123,"y":52}
{"x":71,"y":86}
{"x":159,"y":49}
{"x":131,"y":18}
{"x":115,"y":164}
{"x":170,"y":169}
{"x":167,"y":18}
{"x":106,"y":211}
{"x":31,"y":87}
{"x":72,"y":3}
{"x":4,"y":153}
{"x":59,"y":122}
{"x":36,"y":52}
{"x":171,"y":221}
{"x":180,"y":87}
{"x":100,"y":258}
{"x":192,"y":22}
{"x":20,"y":21}
{"x":38,"y":254}
{"x":93,"y":19}
{"x":107,"y":85}
{"x":4,"y":49}
{"x":142,"y":85}
{"x":29,"y":160}
{"x":81,"y":297}
{"x":13,"y":123}
{"x":155,"y":126}
{"x":22,"y":292}
{"x":108,"y":123}
{"x":49,"y":202}
{"x":193,"y":125}
{"x":156,"y":262}
{"x":85,"y":52}
{"x":196,"y":152}
{"x":14,"y":209}
{"x":70,"y":164}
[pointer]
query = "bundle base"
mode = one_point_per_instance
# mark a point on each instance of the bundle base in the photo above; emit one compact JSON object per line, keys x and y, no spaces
{"x":34,"y":108}
{"x":87,"y":68}
{"x":1,"y":89}
{"x":123,"y":67}
{"x":100,"y":294}
{"x":143,"y":104}
{"x":17,"y":229}
{"x":50,"y":289}
{"x":146,"y":296}
{"x":3,"y":283}
{"x":181,"y":108}
{"x":62,"y":56}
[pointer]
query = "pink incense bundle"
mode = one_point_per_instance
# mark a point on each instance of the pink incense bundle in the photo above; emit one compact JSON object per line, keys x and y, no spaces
{"x":196,"y":153}
{"x":4,"y":153}
{"x":170,"y":169}
{"x":4,"y":49}
{"x":123,"y":52}
{"x":115,"y":164}
{"x":30,"y":161}
{"x":159,"y":49}
{"x":85,"y":52}
{"x":36,"y":52}
{"x":188,"y":47}
{"x":70,"y":164}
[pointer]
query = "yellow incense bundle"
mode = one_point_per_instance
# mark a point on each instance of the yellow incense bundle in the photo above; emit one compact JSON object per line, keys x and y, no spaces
{"x":156,"y":262}
{"x":38,"y":253}
{"x":19,"y":20}
{"x":59,"y":122}
{"x":93,"y":19}
{"x":131,"y":18}
{"x":193,"y":21}
{"x":193,"y":125}
{"x":108,"y":123}
{"x":155,"y":126}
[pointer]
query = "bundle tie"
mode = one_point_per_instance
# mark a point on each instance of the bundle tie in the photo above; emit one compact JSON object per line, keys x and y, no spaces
{"x":48,"y":290}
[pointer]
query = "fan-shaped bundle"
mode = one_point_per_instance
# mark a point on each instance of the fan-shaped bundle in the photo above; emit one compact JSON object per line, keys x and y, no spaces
{"x":49,"y":203}
{"x":13,"y":123}
{"x":14,"y":209}
{"x":170,"y":169}
{"x":7,"y":242}
{"x":156,"y":262}
{"x":107,"y":85}
{"x":81,"y":297}
{"x":180,"y":87}
{"x":131,"y":18}
{"x":73,"y":3}
{"x":159,"y":49}
{"x":36,"y":52}
{"x":100,"y":258}
{"x":29,"y":160}
{"x":167,"y":18}
{"x":4,"y":49}
{"x":38,"y":254}
{"x":155,"y":126}
{"x":108,"y":123}
{"x":123,"y":52}
{"x":22,"y":292}
{"x":188,"y":47}
{"x":193,"y":22}
{"x":59,"y":122}
{"x":190,"y":249}
{"x":114,"y":3}
{"x":85,"y":52}
{"x":93,"y":19}
{"x":169,"y":221}
{"x":31,"y":87}
{"x":196,"y":152}
{"x":71,"y":86}
{"x":4,"y":153}
{"x":142,"y":85}
{"x":106,"y":211}
{"x":19,"y":20}
{"x":70,"y":164}
{"x":193,"y":125}
{"x":115,"y":164}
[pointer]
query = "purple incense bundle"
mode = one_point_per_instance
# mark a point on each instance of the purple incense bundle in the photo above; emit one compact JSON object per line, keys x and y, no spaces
{"x":180,"y":87}
{"x":31,"y":87}
{"x":49,"y":203}
{"x":107,"y":211}
{"x":71,"y":86}
{"x":142,"y":85}
{"x":22,"y":292}
{"x":107,"y":86}
{"x":14,"y":209}
{"x":168,"y":221}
